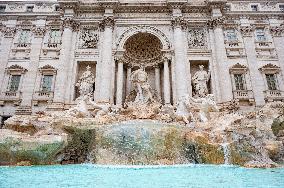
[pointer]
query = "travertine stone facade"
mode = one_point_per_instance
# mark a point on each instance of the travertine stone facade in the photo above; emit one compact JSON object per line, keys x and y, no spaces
{"x":45,"y":46}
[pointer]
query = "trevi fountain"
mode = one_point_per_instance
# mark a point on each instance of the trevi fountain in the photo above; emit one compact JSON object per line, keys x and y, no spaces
{"x":147,"y":135}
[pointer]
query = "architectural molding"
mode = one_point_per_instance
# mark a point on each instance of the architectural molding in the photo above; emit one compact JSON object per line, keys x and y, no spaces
{"x":71,"y":23}
{"x":166,"y":44}
{"x":277,"y":31}
{"x":247,"y":31}
{"x":9,"y":32}
{"x":270,"y":68}
{"x":238,"y":68}
{"x":107,"y":22}
{"x":179,"y":22}
{"x":48,"y":69}
{"x":216,"y":22}
{"x":16,"y":68}
{"x":39,"y":31}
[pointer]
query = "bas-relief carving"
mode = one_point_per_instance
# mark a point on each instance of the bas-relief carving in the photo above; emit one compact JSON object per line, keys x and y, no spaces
{"x":89,"y":38}
{"x":197,"y":38}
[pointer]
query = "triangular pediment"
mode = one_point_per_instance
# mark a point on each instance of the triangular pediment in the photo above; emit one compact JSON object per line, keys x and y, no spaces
{"x":238,"y":66}
{"x":270,"y":68}
{"x":15,"y":67}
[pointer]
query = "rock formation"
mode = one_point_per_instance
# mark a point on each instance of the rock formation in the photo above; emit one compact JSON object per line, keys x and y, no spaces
{"x":50,"y":138}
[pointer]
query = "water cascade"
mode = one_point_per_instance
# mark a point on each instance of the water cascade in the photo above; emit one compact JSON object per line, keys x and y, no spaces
{"x":227,"y":153}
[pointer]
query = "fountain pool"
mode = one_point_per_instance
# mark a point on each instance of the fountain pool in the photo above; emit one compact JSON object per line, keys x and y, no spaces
{"x":181,"y":176}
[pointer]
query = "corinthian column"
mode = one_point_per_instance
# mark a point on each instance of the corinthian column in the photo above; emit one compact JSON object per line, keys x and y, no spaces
{"x":157,"y":80}
{"x":106,"y":63}
{"x":128,"y":80}
{"x":180,"y":58}
{"x":257,"y":86}
{"x":167,"y":87}
{"x":65,"y":56}
{"x":6,"y":43}
{"x":30,"y":77}
{"x":119,"y":84}
{"x":221,"y":58}
{"x":278,"y":38}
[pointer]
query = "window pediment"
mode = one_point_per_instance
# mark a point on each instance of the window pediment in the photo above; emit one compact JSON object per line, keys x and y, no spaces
{"x":16,"y":69}
{"x":270,"y":68}
{"x":48,"y":69}
{"x":238,"y":69}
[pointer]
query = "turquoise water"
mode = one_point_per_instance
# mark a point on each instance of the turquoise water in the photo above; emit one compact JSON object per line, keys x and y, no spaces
{"x":197,"y":176}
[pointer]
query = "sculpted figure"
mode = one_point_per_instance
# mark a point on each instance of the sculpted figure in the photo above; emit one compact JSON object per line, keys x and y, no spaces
{"x":81,"y":109}
{"x":90,"y":39}
{"x":205,"y":105}
{"x":183,"y":112}
{"x":140,"y":83}
{"x":86,"y":82}
{"x":200,"y":80}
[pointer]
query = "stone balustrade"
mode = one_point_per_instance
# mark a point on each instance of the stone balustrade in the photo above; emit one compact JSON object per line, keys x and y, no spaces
{"x":263,"y":44}
{"x":43,"y":95}
{"x":11,"y":96}
{"x":51,"y":47}
{"x":243,"y":94}
{"x":271,"y":95}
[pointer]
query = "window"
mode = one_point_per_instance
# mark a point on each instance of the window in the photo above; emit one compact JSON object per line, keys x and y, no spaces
{"x":231,"y":35}
{"x":281,"y":7}
{"x":254,"y":7}
{"x":2,"y":8}
{"x":14,"y":83}
{"x":46,"y":83}
{"x":30,"y":8}
{"x":271,"y":81}
{"x":239,"y":81}
{"x":55,"y":36}
{"x":24,"y":37}
{"x":57,"y":8}
{"x":260,"y":35}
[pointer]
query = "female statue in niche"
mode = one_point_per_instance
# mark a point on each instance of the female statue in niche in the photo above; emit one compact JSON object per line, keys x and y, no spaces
{"x":200,"y":80}
{"x":86,"y":82}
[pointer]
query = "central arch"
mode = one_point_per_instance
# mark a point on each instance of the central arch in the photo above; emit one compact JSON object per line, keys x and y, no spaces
{"x":143,"y":50}
{"x":166,"y":45}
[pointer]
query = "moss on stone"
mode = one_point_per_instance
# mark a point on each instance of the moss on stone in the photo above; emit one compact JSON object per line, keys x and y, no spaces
{"x":277,"y":126}
{"x":209,"y":153}
{"x":13,"y":151}
{"x":241,"y":153}
{"x":80,"y":143}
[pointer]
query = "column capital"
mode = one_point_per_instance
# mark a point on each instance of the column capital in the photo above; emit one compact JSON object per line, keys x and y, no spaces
{"x":277,"y":31}
{"x":108,"y":21}
{"x":69,"y":22}
{"x":39,"y":31}
{"x":179,"y":22}
{"x":247,"y":31}
{"x":215,"y":22}
{"x":9,"y":32}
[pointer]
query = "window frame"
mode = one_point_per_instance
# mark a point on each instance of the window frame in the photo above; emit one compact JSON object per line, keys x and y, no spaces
{"x":260,"y":34}
{"x":254,"y":7}
{"x":51,"y":83}
{"x":240,"y":86}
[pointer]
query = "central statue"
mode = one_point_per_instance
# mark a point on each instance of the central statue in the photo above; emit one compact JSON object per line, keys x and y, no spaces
{"x":139,"y":79}
{"x":143,"y":101}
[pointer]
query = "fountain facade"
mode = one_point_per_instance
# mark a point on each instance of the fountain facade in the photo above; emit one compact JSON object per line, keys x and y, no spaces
{"x":113,"y":86}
